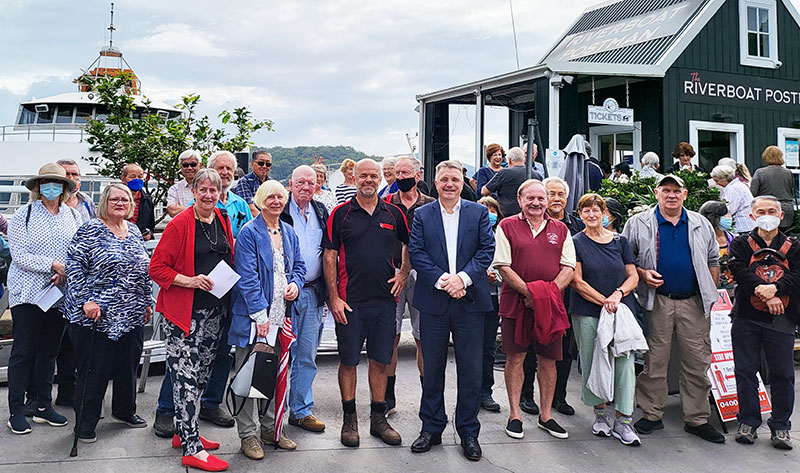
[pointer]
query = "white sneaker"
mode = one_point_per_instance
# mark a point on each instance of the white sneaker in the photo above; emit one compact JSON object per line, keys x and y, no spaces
{"x":624,"y":431}
{"x":602,"y":423}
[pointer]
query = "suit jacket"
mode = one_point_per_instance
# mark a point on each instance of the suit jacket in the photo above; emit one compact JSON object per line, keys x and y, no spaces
{"x":428,"y":251}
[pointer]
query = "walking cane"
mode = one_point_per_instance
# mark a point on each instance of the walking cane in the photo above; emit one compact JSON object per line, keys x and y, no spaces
{"x":74,"y":451}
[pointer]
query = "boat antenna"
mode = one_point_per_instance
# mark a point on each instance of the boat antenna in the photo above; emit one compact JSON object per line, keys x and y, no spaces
{"x":513,"y":29}
{"x":111,"y":29}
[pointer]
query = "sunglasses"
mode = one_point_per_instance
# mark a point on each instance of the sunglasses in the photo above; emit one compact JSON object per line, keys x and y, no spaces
{"x":266,"y":164}
{"x":189,"y":165}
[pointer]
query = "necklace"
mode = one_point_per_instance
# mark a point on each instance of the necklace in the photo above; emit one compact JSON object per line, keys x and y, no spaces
{"x":216,"y":233}
{"x":274,"y":232}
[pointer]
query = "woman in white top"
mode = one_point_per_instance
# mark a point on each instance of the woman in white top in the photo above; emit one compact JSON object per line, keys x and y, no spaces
{"x":737,"y":195}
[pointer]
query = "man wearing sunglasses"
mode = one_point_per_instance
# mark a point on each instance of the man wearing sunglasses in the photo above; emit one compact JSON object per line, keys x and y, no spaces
{"x":260,"y":163}
{"x":180,"y":194}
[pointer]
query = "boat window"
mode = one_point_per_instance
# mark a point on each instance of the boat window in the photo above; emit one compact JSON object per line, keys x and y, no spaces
{"x":83,"y":114}
{"x":101,"y":114}
{"x":64,"y":114}
{"x":27,"y":117}
{"x":44,"y":117}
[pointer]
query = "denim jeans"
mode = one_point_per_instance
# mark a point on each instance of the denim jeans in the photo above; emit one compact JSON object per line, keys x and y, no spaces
{"x":307,"y":326}
{"x":748,"y":338}
{"x":217,"y":382}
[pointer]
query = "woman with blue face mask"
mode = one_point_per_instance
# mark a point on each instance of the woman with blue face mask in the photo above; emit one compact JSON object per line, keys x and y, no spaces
{"x":143,"y":211}
{"x":613,"y":216}
{"x":717,"y":213}
{"x":39,"y":236}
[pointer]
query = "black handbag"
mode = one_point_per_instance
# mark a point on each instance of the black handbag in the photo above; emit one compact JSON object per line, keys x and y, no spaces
{"x":255,"y":379}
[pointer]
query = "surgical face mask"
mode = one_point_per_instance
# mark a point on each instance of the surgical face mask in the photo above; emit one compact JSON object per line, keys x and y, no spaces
{"x":51,"y":190}
{"x":726,"y":223}
{"x":406,"y":184}
{"x":492,"y":219}
{"x":768,"y":222}
{"x":606,"y":221}
{"x":135,"y":185}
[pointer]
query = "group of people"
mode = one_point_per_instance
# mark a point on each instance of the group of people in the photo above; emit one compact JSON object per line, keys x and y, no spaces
{"x":368,"y":253}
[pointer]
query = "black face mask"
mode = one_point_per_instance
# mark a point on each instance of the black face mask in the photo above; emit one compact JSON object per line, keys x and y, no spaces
{"x":406,"y":184}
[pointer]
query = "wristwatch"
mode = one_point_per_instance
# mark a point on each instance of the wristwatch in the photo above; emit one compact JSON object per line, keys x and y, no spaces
{"x":621,"y":292}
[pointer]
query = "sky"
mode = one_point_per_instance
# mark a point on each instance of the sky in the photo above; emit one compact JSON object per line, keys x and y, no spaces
{"x":327,"y":72}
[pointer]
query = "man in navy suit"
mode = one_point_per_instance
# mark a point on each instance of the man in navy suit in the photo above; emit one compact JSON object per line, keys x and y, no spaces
{"x":451,"y":246}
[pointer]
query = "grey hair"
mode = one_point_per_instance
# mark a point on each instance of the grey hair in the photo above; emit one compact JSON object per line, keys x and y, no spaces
{"x":190,"y":153}
{"x":390,"y":161}
{"x":449,"y":164}
{"x":212,"y":161}
{"x":730,"y":162}
{"x":557,"y":180}
{"x":102,"y":206}
{"x":414,"y":161}
{"x":515,"y":155}
{"x":771,"y":198}
{"x":723,"y":172}
{"x":68,"y":162}
{"x":651,"y":159}
{"x":211,"y":175}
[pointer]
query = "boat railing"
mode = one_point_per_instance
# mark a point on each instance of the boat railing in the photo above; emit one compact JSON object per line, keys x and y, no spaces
{"x":68,"y":132}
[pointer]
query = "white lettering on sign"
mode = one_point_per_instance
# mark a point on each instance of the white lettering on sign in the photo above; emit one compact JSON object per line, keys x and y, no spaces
{"x":638,"y":29}
{"x":740,"y":92}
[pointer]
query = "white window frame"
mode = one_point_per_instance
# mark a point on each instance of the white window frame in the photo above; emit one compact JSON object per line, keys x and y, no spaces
{"x":745,"y":59}
{"x":596,"y":131}
{"x":738,"y":140}
{"x":784,"y":133}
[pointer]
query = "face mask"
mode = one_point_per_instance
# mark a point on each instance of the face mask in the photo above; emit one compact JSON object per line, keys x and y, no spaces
{"x":135,"y":185}
{"x":768,"y":222}
{"x":606,"y":221}
{"x":406,"y":184}
{"x":726,"y":223}
{"x":492,"y":219}
{"x":51,"y":190}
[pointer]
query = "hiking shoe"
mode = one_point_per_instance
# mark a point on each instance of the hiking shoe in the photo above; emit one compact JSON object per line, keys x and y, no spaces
{"x":602,"y":424}
{"x":19,"y":424}
{"x":514,"y":429}
{"x":624,"y":431}
{"x":48,"y":415}
{"x":647,"y":426}
{"x":379,"y":427}
{"x":746,"y":434}
{"x":251,"y":446}
{"x":309,"y":423}
{"x":350,"y":436}
{"x":781,"y":440}
{"x":284,"y":442}
{"x":164,"y":425}
{"x":490,"y":404}
{"x":705,"y":432}
{"x":552,"y":428}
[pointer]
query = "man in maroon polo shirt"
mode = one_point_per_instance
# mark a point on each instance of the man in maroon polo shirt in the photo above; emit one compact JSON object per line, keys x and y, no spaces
{"x":363,"y":286}
{"x":543,"y":251}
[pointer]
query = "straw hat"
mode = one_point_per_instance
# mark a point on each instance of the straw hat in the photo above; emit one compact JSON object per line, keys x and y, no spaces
{"x":50,"y":171}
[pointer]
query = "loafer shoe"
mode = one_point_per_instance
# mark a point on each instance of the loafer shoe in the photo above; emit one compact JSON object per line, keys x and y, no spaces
{"x":490,"y":404}
{"x":563,"y":408}
{"x":134,"y":421}
{"x":425,"y":441}
{"x":705,"y":432}
{"x":552,"y":428}
{"x":529,"y":406}
{"x":48,"y":415}
{"x":309,"y":423}
{"x":207,"y":444}
{"x":19,"y":424}
{"x":212,"y":463}
{"x":217,"y":416}
{"x":472,"y":449}
{"x":647,"y":426}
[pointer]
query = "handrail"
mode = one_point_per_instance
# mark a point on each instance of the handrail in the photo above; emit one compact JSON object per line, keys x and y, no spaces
{"x":52,"y":130}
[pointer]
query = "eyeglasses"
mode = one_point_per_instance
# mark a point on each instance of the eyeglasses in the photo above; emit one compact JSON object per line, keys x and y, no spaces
{"x":189,"y":165}
{"x":265,"y":164}
{"x":119,"y":200}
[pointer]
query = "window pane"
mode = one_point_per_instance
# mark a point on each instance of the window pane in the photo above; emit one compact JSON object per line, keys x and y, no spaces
{"x":64,"y":114}
{"x":752,"y":44}
{"x":27,"y":116}
{"x":45,"y":117}
{"x":752,"y":21}
{"x":764,"y":43}
{"x":763,"y":17}
{"x":84,"y":113}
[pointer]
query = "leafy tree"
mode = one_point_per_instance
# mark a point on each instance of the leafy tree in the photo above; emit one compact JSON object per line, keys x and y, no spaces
{"x":132,"y":134}
{"x":284,"y":160}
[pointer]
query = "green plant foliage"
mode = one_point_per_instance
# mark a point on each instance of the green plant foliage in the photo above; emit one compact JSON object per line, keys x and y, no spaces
{"x":638,"y":194}
{"x":284,"y":160}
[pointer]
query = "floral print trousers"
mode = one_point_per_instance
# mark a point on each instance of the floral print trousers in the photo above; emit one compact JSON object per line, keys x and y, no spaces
{"x":189,"y":359}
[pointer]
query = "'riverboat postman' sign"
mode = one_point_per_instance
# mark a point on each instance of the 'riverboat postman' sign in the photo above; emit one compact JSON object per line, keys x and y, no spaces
{"x":718,"y":88}
{"x":637,"y":29}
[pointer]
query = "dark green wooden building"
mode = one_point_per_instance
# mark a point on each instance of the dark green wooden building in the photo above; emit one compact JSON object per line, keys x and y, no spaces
{"x":723,"y":75}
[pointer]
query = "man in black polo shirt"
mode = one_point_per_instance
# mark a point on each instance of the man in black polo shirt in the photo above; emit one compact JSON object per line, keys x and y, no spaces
{"x":363,"y":286}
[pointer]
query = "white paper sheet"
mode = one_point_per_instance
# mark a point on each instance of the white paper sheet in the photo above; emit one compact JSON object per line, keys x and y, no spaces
{"x":272,"y":335}
{"x":48,"y":297}
{"x":224,"y":278}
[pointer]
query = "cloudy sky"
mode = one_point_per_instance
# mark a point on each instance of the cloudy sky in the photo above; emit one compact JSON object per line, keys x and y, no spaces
{"x":326,"y":71}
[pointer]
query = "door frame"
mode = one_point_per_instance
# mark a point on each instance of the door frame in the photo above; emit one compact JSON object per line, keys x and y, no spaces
{"x":595,"y":132}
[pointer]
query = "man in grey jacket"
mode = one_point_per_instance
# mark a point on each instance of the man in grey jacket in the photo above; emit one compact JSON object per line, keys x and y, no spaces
{"x":677,"y":258}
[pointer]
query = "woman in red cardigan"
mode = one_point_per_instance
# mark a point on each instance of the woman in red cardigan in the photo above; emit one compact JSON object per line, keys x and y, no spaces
{"x":193,"y":243}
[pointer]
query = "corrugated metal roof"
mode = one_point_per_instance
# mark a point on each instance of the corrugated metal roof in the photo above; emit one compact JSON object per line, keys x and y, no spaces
{"x":617,"y":12}
{"x":645,"y":54}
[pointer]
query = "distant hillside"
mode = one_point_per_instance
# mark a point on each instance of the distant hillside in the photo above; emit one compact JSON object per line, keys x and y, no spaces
{"x":284,"y":160}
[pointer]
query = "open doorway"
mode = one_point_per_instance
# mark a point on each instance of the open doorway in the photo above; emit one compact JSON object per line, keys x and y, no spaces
{"x":615,"y":144}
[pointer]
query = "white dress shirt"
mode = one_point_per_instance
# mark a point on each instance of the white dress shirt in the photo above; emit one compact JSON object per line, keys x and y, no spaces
{"x":450,"y":224}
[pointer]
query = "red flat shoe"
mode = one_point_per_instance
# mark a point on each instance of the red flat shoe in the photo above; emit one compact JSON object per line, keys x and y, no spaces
{"x":207,"y":444}
{"x":211,"y":464}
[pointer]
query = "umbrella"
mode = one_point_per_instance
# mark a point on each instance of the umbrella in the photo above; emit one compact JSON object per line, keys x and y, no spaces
{"x":576,"y":171}
{"x":286,"y":338}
